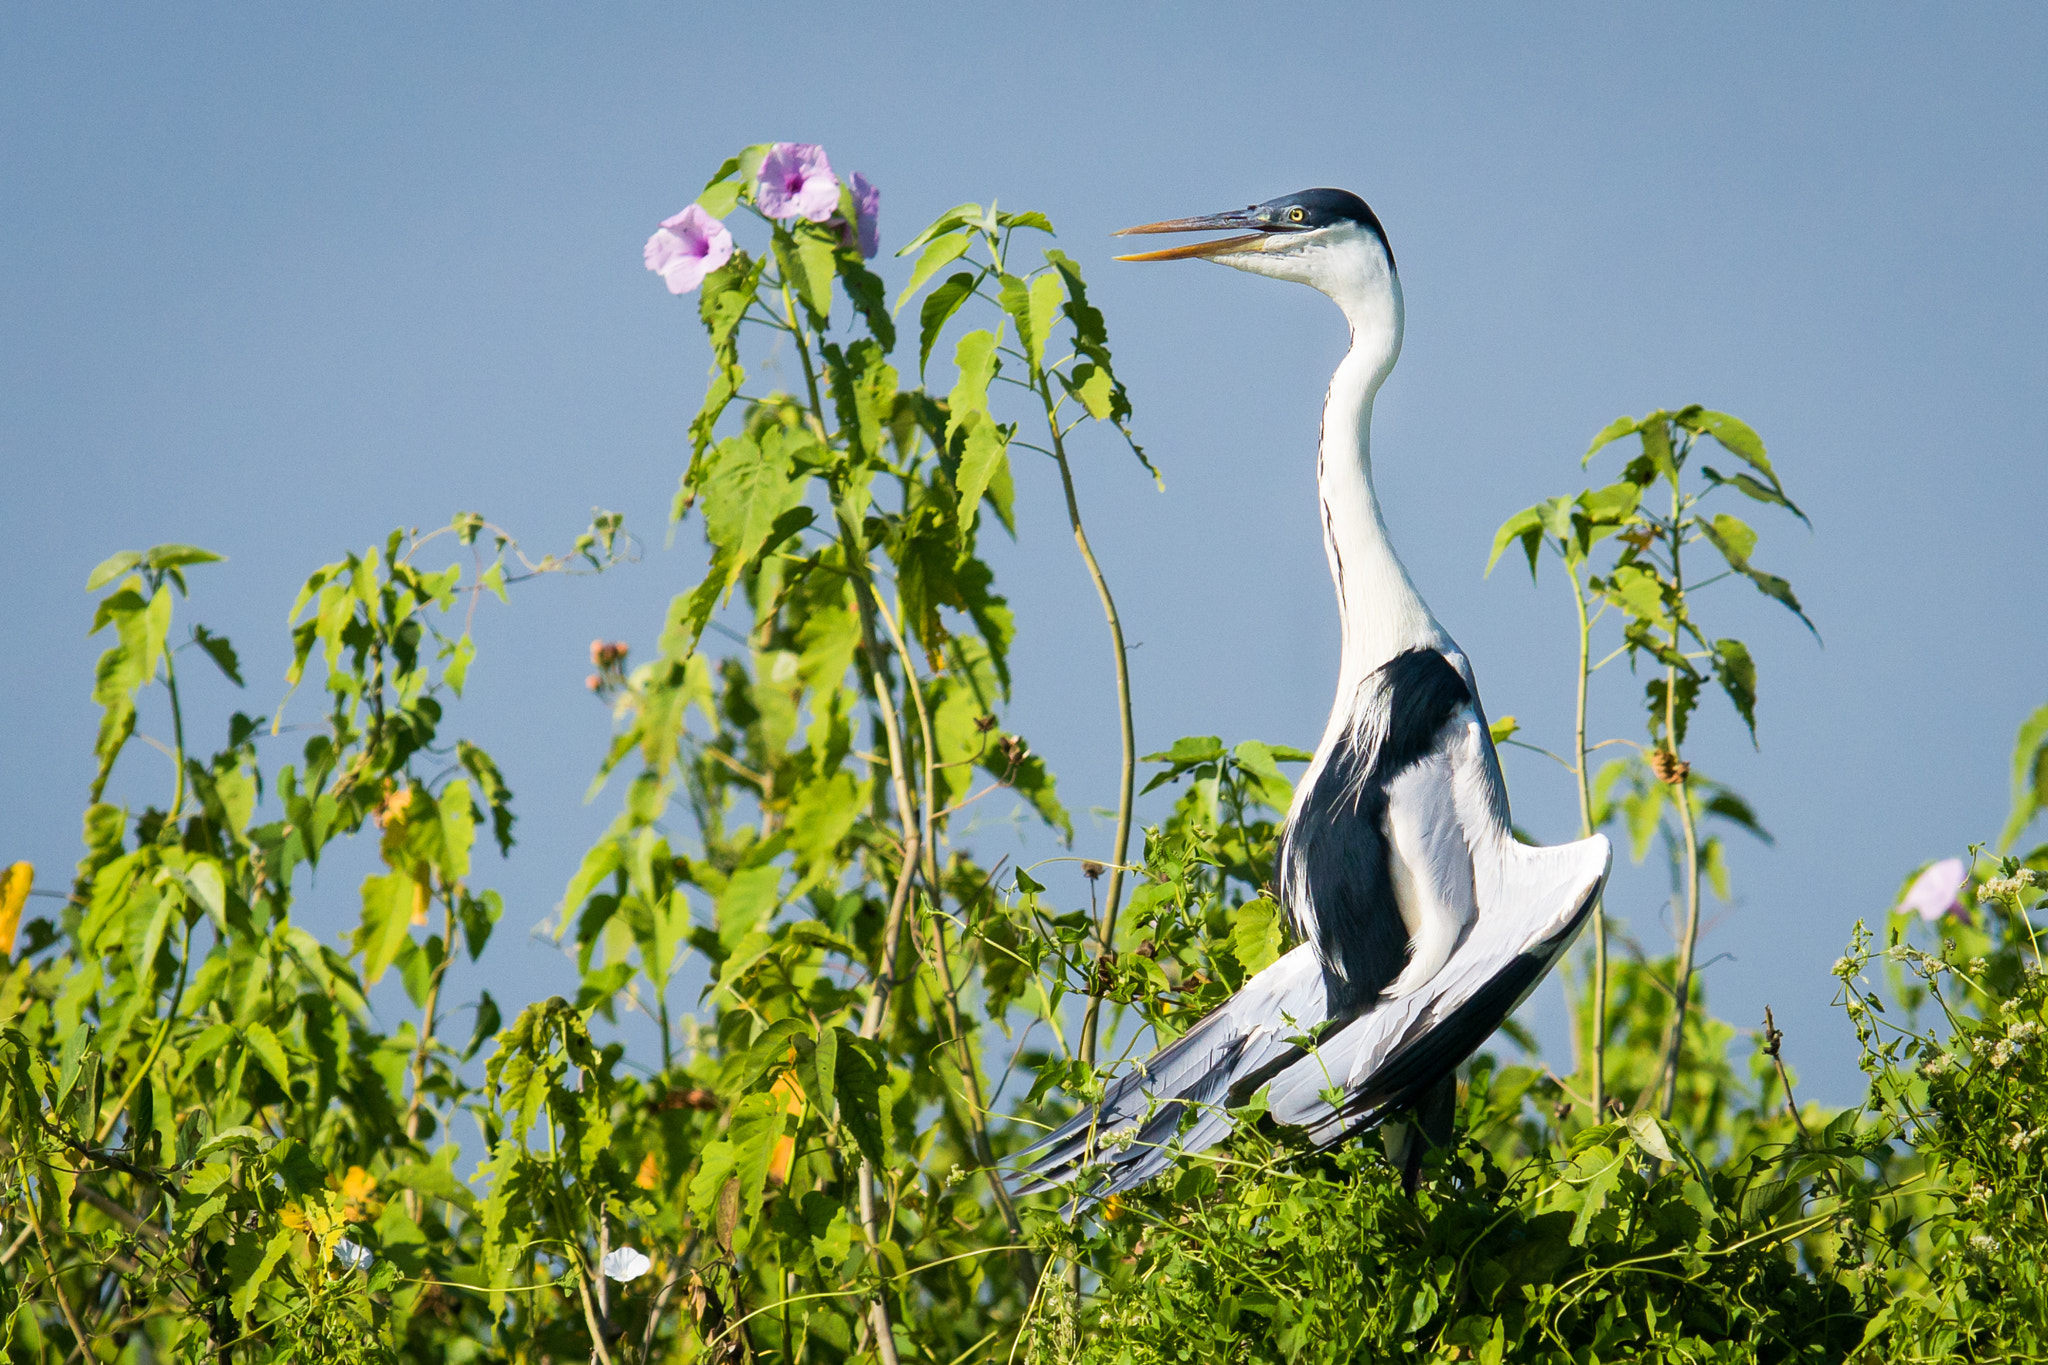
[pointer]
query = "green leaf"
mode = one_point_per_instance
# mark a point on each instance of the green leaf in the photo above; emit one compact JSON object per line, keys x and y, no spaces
{"x":1189,"y":750}
{"x":1030,"y":218}
{"x":1733,"y":538}
{"x":435,"y":1178}
{"x":1735,"y":551}
{"x":1641,"y":593}
{"x":984,"y":450}
{"x":111,"y":568}
{"x":960,"y":215}
{"x":1608,"y":435}
{"x":751,"y":485}
{"x":1525,"y":526}
{"x":1738,"y":438}
{"x":974,"y":356}
{"x":270,"y":1052}
{"x":1255,"y":937}
{"x":250,"y":1267}
{"x":220,"y":651}
{"x":1736,"y":672}
{"x":2029,"y":777}
{"x":210,"y":891}
{"x":938,"y":309}
{"x":749,"y":897}
{"x":1750,"y":487}
{"x":1648,"y":1134}
{"x":1044,"y":311}
{"x":858,"y":1078}
{"x":386,"y":923}
{"x":742,"y":1155}
{"x":939,"y":254}
{"x":719,"y":199}
{"x":176,"y":556}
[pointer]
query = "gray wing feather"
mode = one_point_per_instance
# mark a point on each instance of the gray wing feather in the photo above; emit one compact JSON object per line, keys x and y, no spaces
{"x":1133,"y":1133}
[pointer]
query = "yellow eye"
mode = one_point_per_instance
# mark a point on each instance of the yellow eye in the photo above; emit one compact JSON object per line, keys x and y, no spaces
{"x":1296,"y":214}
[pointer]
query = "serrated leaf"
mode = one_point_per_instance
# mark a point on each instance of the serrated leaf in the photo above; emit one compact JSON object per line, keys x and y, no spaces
{"x":210,"y":890}
{"x":270,"y":1052}
{"x":1255,"y":936}
{"x":984,"y":449}
{"x":938,"y":309}
{"x":1608,"y":435}
{"x":250,"y":1268}
{"x":386,"y":923}
{"x":939,"y":254}
{"x":1736,"y":672}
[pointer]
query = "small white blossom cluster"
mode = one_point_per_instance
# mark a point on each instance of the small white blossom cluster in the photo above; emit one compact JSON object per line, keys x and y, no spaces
{"x":2003,"y":1052}
{"x":1980,"y":1194}
{"x":1940,"y":1064}
{"x":2006,"y":888}
{"x":1844,"y":968}
{"x":2022,"y":1138}
{"x":1983,"y":1244}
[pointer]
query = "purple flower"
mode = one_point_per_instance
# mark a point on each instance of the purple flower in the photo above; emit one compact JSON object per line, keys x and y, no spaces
{"x":796,"y":181}
{"x":1934,"y":893}
{"x":867,"y":207}
{"x":688,"y":247}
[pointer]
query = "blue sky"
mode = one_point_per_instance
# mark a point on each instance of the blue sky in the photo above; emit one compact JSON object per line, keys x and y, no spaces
{"x":275,"y":280}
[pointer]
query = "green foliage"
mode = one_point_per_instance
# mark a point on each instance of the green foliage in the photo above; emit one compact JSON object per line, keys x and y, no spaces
{"x":1622,"y":555}
{"x":212,"y":1151}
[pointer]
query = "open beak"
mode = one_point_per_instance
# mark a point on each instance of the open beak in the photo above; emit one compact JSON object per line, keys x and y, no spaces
{"x":1213,"y":222}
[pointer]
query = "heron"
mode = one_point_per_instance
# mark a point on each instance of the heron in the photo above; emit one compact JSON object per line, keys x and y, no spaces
{"x":1422,"y":921}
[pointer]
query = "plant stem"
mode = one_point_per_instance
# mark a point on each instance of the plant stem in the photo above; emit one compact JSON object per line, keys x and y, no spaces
{"x":177,"y":734}
{"x":892,"y":928}
{"x":977,"y":1113}
{"x":1682,"y":792}
{"x":1682,"y":993}
{"x":427,"y":1024}
{"x":1126,"y":794}
{"x":82,"y":1342}
{"x":156,"y":1046}
{"x":1599,"y":1041}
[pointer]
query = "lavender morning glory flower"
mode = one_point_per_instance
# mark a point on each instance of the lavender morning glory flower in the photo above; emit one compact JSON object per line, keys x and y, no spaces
{"x":1934,"y":893}
{"x":796,"y":181}
{"x":352,"y":1256}
{"x":867,"y":207}
{"x":625,"y":1265}
{"x":688,"y":247}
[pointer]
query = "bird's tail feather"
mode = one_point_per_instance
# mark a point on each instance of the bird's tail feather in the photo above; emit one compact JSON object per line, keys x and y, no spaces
{"x":1134,"y":1133}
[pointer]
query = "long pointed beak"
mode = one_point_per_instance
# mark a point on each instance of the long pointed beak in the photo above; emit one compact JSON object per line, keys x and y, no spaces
{"x":1212,"y":222}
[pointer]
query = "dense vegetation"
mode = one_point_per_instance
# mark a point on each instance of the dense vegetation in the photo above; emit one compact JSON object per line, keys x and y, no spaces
{"x":214,"y":1150}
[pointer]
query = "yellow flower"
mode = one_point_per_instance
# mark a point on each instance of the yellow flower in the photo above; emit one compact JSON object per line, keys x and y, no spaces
{"x":14,"y":885}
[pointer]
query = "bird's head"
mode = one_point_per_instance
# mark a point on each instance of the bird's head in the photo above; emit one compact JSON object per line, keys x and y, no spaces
{"x":1329,"y":240}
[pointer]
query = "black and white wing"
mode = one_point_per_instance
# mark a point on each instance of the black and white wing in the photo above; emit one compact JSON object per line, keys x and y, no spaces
{"x":1376,"y":863}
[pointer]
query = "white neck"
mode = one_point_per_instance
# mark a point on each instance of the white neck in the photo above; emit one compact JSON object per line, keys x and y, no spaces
{"x":1382,"y":614}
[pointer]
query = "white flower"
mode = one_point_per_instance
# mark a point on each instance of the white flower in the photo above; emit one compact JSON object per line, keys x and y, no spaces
{"x":625,"y":1265}
{"x":352,"y":1256}
{"x":1940,"y":1064}
{"x":1983,"y":1244}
